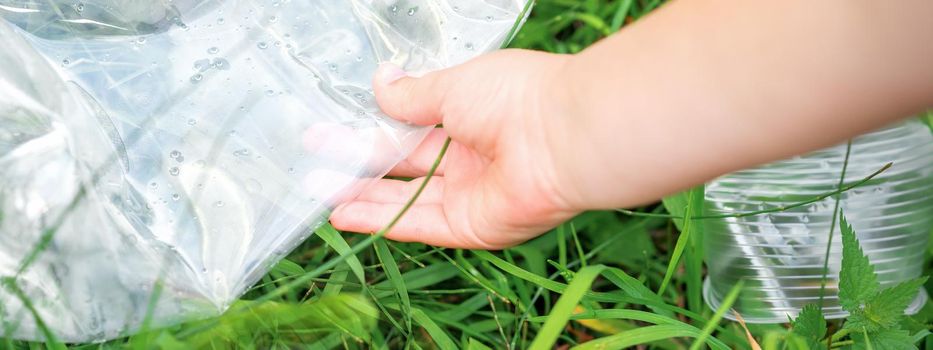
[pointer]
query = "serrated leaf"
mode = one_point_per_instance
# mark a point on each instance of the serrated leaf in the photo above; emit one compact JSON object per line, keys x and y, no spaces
{"x":886,"y":309}
{"x":857,"y":280}
{"x":897,"y":298}
{"x":883,"y":340}
{"x":811,"y":325}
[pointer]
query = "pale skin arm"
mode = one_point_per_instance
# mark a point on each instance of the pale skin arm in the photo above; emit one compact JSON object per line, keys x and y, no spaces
{"x":697,"y":89}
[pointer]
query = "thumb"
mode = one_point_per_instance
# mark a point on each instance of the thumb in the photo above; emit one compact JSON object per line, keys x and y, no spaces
{"x":417,"y":100}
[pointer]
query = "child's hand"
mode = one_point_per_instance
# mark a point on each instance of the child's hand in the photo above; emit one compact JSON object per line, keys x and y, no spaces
{"x":673,"y":101}
{"x":498,"y":185}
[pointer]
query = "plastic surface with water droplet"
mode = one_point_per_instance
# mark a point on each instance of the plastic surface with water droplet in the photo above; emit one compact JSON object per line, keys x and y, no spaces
{"x":194,"y":142}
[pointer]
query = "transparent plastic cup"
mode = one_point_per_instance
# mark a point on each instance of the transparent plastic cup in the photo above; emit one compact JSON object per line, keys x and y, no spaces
{"x":780,"y":255}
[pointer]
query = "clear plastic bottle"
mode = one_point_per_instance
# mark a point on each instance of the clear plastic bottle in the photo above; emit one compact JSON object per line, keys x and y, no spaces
{"x":780,"y":255}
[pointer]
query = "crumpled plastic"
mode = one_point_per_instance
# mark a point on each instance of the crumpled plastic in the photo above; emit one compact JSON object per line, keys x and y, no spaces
{"x":192,"y":143}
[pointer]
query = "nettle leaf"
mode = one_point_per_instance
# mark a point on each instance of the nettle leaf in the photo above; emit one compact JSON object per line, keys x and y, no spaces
{"x":810,"y":323}
{"x":811,"y":326}
{"x":891,"y":339}
{"x":857,"y":280}
{"x":886,"y":309}
{"x":875,"y":316}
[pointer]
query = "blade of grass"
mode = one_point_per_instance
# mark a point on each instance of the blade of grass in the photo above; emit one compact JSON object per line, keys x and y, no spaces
{"x":473,"y":344}
{"x":562,"y":244}
{"x":540,"y":291}
{"x":558,"y":287}
{"x":465,"y":308}
{"x":714,"y":321}
{"x":332,"y":238}
{"x":635,"y":288}
{"x":640,"y":336}
{"x":622,"y":314}
{"x":576,"y":241}
{"x":693,"y":257}
{"x":395,"y":278}
{"x":618,"y":19}
{"x":473,"y":278}
{"x":678,"y":249}
{"x":51,"y":340}
{"x":521,"y":273}
{"x":562,"y":311}
{"x":521,"y":287}
{"x":504,"y":294}
{"x":440,"y":337}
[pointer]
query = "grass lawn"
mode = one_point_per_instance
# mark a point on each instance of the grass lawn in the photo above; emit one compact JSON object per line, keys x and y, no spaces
{"x":592,"y":282}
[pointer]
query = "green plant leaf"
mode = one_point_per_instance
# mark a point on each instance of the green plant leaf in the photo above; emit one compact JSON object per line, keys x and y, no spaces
{"x":710,"y":326}
{"x":473,"y":344}
{"x":677,"y":203}
{"x":811,"y":326}
{"x":636,"y":315}
{"x":394,"y":276}
{"x":810,"y":322}
{"x":690,"y":204}
{"x":437,"y":334}
{"x":332,"y":238}
{"x":857,"y":280}
{"x":635,"y":288}
{"x":642,"y":335}
{"x":350,"y":315}
{"x":885,"y":309}
{"x":679,"y":247}
{"x":564,"y":308}
{"x":288,"y":268}
{"x":883,"y":340}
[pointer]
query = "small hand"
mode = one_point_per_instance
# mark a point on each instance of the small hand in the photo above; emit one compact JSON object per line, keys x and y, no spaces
{"x":499,"y":184}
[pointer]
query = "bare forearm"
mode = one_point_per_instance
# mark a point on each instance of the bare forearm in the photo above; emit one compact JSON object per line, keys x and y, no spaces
{"x":706,"y":87}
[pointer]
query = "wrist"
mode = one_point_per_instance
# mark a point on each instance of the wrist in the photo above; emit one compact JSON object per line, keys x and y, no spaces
{"x":569,"y":136}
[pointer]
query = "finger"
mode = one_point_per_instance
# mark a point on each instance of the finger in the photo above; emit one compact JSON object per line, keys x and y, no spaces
{"x":422,"y":223}
{"x":371,"y":149}
{"x":400,"y":192}
{"x":420,"y":161}
{"x":331,"y":186}
{"x":339,"y":142}
{"x":410,"y":99}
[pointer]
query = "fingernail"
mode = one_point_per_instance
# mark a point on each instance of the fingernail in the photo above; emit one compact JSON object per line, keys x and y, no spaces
{"x":389,"y":73}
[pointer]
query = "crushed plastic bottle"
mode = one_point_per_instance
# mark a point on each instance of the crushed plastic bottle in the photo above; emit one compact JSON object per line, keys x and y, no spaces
{"x":780,"y":255}
{"x":193,"y":143}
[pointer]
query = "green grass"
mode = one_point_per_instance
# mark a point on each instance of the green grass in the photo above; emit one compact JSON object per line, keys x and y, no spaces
{"x":604,"y":280}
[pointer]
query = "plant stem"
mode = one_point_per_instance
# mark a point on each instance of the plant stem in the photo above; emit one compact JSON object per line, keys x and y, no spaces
{"x":832,"y":229}
{"x":766,"y":211}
